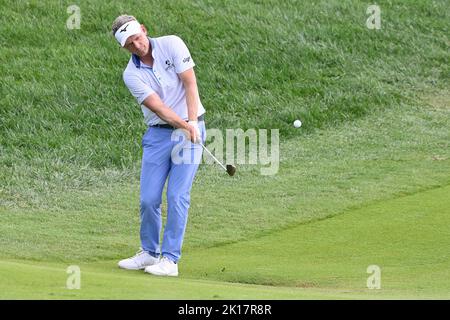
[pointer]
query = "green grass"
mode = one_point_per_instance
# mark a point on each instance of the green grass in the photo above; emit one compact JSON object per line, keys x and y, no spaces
{"x":408,"y":238}
{"x":372,"y":159}
{"x":103,"y":281}
{"x":272,"y":233}
{"x":259,"y":65}
{"x":376,"y":116}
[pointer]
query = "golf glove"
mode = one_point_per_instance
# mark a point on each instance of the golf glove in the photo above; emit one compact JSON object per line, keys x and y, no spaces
{"x":194,"y":123}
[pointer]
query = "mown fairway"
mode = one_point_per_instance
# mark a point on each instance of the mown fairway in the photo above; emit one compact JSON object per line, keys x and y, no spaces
{"x":408,"y":238}
{"x":363,"y":182}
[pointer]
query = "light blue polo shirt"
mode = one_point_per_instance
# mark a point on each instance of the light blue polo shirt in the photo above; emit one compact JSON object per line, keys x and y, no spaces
{"x":171,"y":56}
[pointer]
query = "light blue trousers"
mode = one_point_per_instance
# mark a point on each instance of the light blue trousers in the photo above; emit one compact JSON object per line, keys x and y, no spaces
{"x":162,"y":151}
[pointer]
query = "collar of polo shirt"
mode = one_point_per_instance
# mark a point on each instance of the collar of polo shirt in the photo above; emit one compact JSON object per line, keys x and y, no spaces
{"x":137,"y":60}
{"x":128,"y":29}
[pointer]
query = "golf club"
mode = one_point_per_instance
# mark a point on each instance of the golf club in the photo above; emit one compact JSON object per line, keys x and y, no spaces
{"x":230,"y":169}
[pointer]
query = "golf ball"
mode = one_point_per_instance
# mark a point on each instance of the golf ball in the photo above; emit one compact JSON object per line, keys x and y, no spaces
{"x":297,"y":123}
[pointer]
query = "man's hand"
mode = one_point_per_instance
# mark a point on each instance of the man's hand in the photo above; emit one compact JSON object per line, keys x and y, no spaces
{"x":194,"y":131}
{"x":155,"y":104}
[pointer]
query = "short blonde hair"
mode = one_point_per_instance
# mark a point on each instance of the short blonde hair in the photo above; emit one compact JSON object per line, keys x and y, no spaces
{"x":120,"y":21}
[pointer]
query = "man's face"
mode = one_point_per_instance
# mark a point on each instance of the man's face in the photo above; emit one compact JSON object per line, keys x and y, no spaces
{"x":138,"y":43}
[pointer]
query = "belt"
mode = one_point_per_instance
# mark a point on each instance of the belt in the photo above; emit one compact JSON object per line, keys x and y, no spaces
{"x":168,"y":126}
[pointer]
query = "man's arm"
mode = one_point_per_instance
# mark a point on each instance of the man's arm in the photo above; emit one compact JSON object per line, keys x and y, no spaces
{"x":192,"y":97}
{"x":155,"y":104}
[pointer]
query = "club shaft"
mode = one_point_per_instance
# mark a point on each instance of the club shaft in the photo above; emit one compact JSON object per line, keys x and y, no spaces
{"x":213,"y":157}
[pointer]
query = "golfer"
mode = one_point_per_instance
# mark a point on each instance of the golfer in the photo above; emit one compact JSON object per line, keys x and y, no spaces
{"x":161,"y":77}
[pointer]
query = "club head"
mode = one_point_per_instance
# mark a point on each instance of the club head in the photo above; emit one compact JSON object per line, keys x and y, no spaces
{"x":231,"y":170}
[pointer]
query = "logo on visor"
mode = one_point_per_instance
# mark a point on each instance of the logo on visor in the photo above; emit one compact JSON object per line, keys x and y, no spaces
{"x":186,"y":59}
{"x":124,"y":29}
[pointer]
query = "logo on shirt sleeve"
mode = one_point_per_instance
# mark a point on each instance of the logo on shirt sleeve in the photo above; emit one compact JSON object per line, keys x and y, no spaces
{"x":187,"y":59}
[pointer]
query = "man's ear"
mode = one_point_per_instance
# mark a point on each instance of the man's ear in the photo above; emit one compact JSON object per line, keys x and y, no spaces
{"x":144,"y":30}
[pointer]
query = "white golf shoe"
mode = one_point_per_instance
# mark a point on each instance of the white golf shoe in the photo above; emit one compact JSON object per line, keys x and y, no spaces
{"x":165,"y":267}
{"x":139,"y":261}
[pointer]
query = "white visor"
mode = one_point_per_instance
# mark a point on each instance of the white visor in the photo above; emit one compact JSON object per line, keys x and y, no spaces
{"x":128,"y":29}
